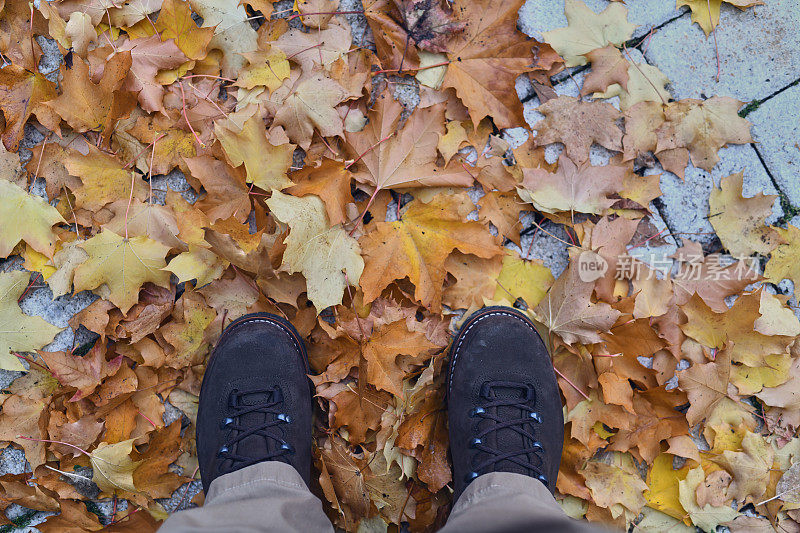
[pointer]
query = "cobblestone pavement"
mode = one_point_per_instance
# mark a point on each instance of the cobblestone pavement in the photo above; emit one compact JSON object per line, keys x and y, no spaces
{"x":759,"y":56}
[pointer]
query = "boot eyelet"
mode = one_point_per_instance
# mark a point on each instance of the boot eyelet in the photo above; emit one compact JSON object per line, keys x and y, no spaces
{"x":538,"y":445}
{"x":542,"y":479}
{"x":471,"y":476}
{"x":284,"y":418}
{"x":223,"y":450}
{"x":227,"y":422}
{"x":477,"y":412}
{"x":288,"y":447}
{"x":474,"y":443}
{"x":536,"y":416}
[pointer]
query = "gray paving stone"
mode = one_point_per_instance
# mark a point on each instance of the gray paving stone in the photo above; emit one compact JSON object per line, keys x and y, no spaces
{"x":759,"y":51}
{"x":776,"y":129}
{"x":684,"y":203}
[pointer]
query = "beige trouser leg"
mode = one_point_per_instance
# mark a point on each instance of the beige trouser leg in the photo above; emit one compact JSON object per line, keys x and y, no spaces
{"x":502,"y":502}
{"x":264,"y":497}
{"x":271,"y":496}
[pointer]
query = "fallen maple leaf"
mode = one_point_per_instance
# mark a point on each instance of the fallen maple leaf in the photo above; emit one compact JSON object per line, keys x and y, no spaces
{"x":486,"y":58}
{"x":24,"y":217}
{"x":266,"y":163}
{"x":103,"y":179}
{"x":568,"y":311}
{"x":86,"y":105}
{"x":122,"y":265}
{"x":740,"y":222}
{"x":707,"y":384}
{"x":21,"y":333}
{"x":233,"y":34}
{"x":22,"y":93}
{"x":404,"y":158}
{"x":588,"y":31}
{"x":175,"y":22}
{"x":381,"y":352}
{"x":608,"y":68}
{"x":328,"y":257}
{"x":148,"y":56}
{"x":329,"y":180}
{"x":578,"y":124}
{"x":307,"y":103}
{"x":706,"y":12}
{"x":417,"y":246}
{"x":783,"y":262}
{"x":113,"y":467}
{"x":701,"y":128}
{"x":583,"y":189}
{"x":427,"y":24}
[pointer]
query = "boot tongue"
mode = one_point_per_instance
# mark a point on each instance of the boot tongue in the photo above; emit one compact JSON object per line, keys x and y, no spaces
{"x":507,"y":439}
{"x":256,"y":445}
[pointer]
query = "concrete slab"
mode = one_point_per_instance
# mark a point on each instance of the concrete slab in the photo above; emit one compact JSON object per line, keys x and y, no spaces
{"x":776,"y":130}
{"x":684,"y":203}
{"x":759,"y":51}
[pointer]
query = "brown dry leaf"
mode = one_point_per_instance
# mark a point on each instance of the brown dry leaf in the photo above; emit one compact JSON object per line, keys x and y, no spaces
{"x":148,"y":56}
{"x":486,"y":58}
{"x":86,"y":105}
{"x":316,"y":49}
{"x":702,"y":127}
{"x":608,"y":68}
{"x":186,"y":332}
{"x":476,"y":280}
{"x":578,"y":125}
{"x":329,"y":180}
{"x":22,"y":93}
{"x":305,"y":104}
{"x":417,"y":246}
{"x":583,"y":189}
{"x":82,"y":373}
{"x":568,"y":311}
{"x":709,"y":278}
{"x":226,"y":193}
{"x":401,"y":155}
{"x":383,"y":348}
{"x":707,"y":384}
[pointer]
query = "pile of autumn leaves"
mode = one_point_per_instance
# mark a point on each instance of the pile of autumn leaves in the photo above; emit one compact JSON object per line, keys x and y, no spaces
{"x":303,"y":160}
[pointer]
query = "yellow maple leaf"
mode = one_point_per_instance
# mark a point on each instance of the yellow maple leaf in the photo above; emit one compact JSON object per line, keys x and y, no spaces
{"x":327,"y":256}
{"x":19,"y":332}
{"x":783,"y":263}
{"x":417,"y":245}
{"x":113,"y":467}
{"x":25,"y":217}
{"x":265,"y":163}
{"x":123,"y":265}
{"x":587,"y":31}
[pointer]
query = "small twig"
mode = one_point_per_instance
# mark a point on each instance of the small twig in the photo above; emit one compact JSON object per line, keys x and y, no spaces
{"x":565,"y":378}
{"x":714,"y":33}
{"x":186,"y":117}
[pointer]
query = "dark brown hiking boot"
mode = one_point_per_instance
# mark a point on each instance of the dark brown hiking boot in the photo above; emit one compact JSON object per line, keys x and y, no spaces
{"x":255,"y":401}
{"x":504,"y":406}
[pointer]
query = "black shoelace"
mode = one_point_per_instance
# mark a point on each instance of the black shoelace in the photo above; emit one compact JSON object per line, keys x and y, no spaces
{"x":275,"y":447}
{"x":527,"y":417}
